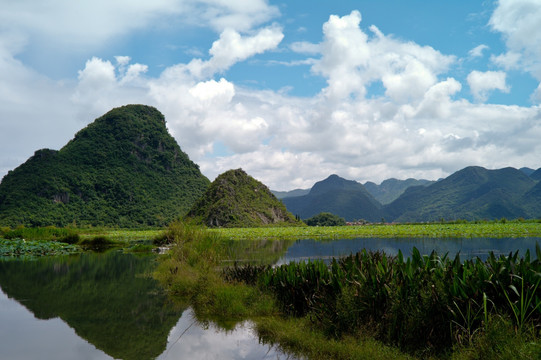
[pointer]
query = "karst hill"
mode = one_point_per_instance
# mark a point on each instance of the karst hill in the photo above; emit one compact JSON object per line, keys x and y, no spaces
{"x":124,"y":169}
{"x":236,"y":199}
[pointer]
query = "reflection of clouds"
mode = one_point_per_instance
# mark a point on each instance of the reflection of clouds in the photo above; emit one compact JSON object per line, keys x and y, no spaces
{"x":190,"y":340}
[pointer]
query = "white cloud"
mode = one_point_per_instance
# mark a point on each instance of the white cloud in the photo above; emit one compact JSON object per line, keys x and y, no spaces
{"x":518,"y":22}
{"x":231,"y":48}
{"x":304,"y":47}
{"x":416,"y":128}
{"x":83,"y":24}
{"x":481,"y":83}
{"x":352,"y":60}
{"x":478,"y":51}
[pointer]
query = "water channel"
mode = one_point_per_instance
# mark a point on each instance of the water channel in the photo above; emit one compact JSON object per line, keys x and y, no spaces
{"x":108,"y":306}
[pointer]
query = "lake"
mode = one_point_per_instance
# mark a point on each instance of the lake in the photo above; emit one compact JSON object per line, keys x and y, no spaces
{"x":107,"y":305}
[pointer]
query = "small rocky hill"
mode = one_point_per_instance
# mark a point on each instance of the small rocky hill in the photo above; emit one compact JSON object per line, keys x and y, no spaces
{"x":235,"y":199}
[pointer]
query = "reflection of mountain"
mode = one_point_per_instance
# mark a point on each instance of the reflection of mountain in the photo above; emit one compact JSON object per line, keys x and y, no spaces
{"x":109,"y":299}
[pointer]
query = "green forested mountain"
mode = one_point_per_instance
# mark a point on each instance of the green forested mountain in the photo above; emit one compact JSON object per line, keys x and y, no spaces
{"x":345,"y":198}
{"x":390,"y":189}
{"x":471,"y":193}
{"x":536,"y":175}
{"x":124,"y":169}
{"x":235,"y":199}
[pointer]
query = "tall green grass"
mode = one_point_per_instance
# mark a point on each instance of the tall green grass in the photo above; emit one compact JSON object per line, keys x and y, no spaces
{"x":420,"y":304}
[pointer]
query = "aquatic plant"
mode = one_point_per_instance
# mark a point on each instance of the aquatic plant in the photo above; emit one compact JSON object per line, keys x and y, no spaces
{"x":423,"y":302}
{"x":33,"y":248}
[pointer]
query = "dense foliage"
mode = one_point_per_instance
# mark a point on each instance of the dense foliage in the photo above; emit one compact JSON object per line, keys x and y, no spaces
{"x":21,"y":248}
{"x":124,"y":169}
{"x":235,"y":199}
{"x":428,"y":306}
{"x":473,"y":193}
{"x":325,"y":219}
{"x":423,"y":303}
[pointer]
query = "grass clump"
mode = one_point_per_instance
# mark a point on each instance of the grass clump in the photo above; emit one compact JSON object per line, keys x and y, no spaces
{"x":191,"y":273}
{"x":424,"y":305}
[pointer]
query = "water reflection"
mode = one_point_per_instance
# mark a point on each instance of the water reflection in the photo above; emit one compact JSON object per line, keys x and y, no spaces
{"x":110,"y":299}
{"x":467,"y":247}
{"x":105,"y":306}
{"x":192,"y":340}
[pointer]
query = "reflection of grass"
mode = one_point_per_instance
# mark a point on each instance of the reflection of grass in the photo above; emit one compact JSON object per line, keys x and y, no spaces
{"x":464,"y":230}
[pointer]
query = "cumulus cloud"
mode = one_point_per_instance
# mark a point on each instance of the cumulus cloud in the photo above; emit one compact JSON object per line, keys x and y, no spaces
{"x":518,"y":22}
{"x":417,"y":127}
{"x":352,"y":60}
{"x":481,"y":83}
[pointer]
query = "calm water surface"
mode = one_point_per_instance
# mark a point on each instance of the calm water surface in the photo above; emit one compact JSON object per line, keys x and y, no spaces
{"x":108,"y":306}
{"x":467,"y":248}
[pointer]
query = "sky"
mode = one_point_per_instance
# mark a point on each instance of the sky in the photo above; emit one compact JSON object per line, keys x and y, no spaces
{"x":289,"y":91}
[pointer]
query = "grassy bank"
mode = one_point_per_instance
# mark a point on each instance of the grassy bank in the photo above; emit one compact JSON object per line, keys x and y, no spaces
{"x":50,"y":240}
{"x":459,"y":230}
{"x":365,"y":307}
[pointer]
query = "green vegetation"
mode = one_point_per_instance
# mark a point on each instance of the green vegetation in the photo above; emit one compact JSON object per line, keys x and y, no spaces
{"x":325,"y":219}
{"x":50,"y":240}
{"x":123,"y":170}
{"x":126,"y":313}
{"x":458,"y":230}
{"x":471,"y":193}
{"x":390,"y":189}
{"x":33,"y":248}
{"x":345,"y":198}
{"x":425,"y":304}
{"x":235,"y":199}
{"x":367,"y":305}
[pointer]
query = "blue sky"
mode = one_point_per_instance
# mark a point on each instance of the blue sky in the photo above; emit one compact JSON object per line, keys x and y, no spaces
{"x":289,"y":91}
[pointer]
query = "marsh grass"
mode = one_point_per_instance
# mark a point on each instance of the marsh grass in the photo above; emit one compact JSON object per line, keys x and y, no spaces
{"x":367,"y":305}
{"x":441,"y":230}
{"x":423,"y":304}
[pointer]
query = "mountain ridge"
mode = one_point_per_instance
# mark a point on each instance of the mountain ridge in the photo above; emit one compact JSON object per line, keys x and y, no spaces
{"x":345,"y":198}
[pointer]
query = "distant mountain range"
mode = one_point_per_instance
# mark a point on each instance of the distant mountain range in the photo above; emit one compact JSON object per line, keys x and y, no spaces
{"x":345,"y":198}
{"x":471,"y":193}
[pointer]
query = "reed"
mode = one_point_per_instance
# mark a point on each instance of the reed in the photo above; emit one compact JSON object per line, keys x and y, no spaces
{"x":423,"y":302}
